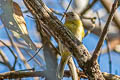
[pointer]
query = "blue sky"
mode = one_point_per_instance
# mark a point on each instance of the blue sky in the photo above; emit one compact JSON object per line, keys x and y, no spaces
{"x":90,"y":41}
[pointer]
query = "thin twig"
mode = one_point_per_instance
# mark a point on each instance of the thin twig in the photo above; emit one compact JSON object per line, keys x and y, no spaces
{"x":8,"y":47}
{"x":108,"y":47}
{"x":99,"y":20}
{"x":3,"y":63}
{"x":25,"y":11}
{"x":109,"y":56}
{"x":104,"y":33}
{"x":21,"y":55}
{"x":32,"y":69}
{"x":66,"y":9}
{"x":93,"y":25}
{"x":33,"y":58}
{"x":73,"y":69}
{"x":89,"y":18}
{"x":19,"y":52}
{"x":107,"y":5}
{"x":88,"y":7}
{"x":5,"y":59}
{"x":35,"y":53}
{"x":15,"y":56}
{"x":56,"y":12}
{"x":11,"y":52}
{"x":31,"y":17}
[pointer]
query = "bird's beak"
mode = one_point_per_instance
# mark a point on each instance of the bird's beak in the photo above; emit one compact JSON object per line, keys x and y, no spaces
{"x":65,"y":14}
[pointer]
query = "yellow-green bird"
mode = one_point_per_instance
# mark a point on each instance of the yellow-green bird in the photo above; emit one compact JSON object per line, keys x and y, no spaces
{"x":74,"y":24}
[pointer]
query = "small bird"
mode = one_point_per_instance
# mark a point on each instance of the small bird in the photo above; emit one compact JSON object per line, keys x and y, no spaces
{"x":74,"y":24}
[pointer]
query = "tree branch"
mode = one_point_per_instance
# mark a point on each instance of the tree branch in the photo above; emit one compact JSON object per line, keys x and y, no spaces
{"x":5,"y":60}
{"x":51,"y":23}
{"x":24,"y":74}
{"x":89,"y":6}
{"x":107,"y":4}
{"x":104,"y":33}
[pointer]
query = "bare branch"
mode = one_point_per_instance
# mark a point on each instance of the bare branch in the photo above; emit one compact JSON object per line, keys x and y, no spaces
{"x":11,"y":52}
{"x":67,"y":9}
{"x":107,"y":4}
{"x":5,"y":59}
{"x":15,"y":56}
{"x":18,"y":44}
{"x":21,"y":55}
{"x":73,"y":69}
{"x":104,"y":33}
{"x":88,"y":7}
{"x":24,"y":74}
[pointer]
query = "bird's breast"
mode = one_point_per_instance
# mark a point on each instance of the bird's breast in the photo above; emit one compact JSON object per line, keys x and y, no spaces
{"x":76,"y":27}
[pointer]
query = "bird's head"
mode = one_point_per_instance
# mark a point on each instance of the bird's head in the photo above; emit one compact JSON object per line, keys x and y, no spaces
{"x":71,"y":16}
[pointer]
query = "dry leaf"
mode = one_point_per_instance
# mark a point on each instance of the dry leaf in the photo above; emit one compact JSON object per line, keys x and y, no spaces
{"x":13,"y":19}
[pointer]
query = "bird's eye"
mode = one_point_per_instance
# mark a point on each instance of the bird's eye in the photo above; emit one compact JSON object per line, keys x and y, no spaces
{"x":72,"y":15}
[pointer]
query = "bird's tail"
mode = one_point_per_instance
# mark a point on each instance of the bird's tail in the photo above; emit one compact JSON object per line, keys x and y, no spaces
{"x":65,"y":57}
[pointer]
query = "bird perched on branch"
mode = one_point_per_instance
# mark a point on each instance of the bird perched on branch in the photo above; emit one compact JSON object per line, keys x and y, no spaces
{"x":74,"y":24}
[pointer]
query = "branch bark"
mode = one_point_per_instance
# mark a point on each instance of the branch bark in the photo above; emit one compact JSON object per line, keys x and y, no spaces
{"x":24,"y":74}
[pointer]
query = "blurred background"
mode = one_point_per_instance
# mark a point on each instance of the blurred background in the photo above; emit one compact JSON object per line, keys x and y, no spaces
{"x":109,"y":61}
